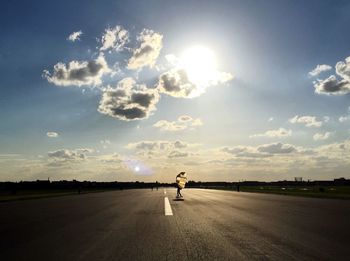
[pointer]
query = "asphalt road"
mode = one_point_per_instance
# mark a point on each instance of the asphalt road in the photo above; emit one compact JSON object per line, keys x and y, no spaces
{"x":207,"y":225}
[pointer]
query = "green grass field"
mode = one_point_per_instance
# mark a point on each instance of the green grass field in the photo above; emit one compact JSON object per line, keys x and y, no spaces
{"x":35,"y":194}
{"x":338,"y":192}
{"x":341,"y":192}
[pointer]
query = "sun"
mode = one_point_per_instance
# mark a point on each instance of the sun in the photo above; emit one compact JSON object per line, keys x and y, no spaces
{"x":199,"y":62}
{"x":137,"y":168}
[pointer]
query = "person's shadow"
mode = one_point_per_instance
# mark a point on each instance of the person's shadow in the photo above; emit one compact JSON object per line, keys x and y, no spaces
{"x":178,"y":199}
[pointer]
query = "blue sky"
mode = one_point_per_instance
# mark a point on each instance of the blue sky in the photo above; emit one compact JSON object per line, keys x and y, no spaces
{"x":265,"y":112}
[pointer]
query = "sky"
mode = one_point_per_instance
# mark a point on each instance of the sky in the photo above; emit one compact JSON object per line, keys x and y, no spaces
{"x":141,"y":90}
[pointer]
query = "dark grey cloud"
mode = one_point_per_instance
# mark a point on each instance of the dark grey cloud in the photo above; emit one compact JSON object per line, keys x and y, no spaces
{"x":128,"y":101}
{"x":334,"y":86}
{"x":177,"y":154}
{"x":78,"y":73}
{"x":68,"y":155}
{"x":276,"y":148}
{"x":180,"y":144}
{"x":262,"y":151}
{"x":176,"y":83}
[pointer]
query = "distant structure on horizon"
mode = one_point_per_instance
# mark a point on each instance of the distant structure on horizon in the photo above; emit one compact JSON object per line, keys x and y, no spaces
{"x":298,"y":179}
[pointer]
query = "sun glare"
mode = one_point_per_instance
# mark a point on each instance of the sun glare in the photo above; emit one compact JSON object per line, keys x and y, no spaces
{"x":200,"y":64}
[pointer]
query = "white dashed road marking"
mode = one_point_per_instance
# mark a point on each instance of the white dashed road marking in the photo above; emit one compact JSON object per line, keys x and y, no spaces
{"x":167,"y":207}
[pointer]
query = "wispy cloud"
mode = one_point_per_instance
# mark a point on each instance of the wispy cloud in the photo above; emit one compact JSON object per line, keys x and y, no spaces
{"x":321,"y":136}
{"x":182,"y":123}
{"x":114,"y":38}
{"x":308,"y":121}
{"x":105,"y":143}
{"x":75,"y":36}
{"x":279,"y":133}
{"x":319,"y":69}
{"x":52,"y":134}
{"x":343,"y":118}
{"x":150,"y":44}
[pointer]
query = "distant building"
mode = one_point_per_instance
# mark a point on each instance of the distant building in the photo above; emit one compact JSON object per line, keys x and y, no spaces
{"x":298,"y":179}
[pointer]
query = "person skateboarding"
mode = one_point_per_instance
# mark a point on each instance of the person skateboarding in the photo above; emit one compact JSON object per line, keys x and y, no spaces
{"x":181,"y":181}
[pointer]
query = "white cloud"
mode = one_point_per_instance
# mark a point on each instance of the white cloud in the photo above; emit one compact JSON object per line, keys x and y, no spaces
{"x":308,"y":121}
{"x":75,"y":36}
{"x":270,"y":119}
{"x":52,"y":134}
{"x":326,"y":118}
{"x":114,"y":38}
{"x":128,"y":101}
{"x":319,"y":69}
{"x":158,"y":145}
{"x":69,"y":155}
{"x":162,"y":149}
{"x":321,"y":136}
{"x":279,"y":133}
{"x":111,"y":158}
{"x":150,"y":44}
{"x":169,"y":125}
{"x":78,"y":73}
{"x":343,"y":69}
{"x":343,"y":118}
{"x":333,"y":86}
{"x":182,"y":123}
{"x":105,"y":143}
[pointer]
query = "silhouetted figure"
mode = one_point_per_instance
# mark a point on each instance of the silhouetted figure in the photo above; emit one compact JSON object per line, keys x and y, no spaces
{"x":181,"y":180}
{"x":178,"y":194}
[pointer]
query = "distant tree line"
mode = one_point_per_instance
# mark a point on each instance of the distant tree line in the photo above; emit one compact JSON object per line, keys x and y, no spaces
{"x":80,"y":186}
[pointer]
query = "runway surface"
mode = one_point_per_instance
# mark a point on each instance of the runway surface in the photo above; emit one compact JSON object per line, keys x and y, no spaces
{"x":207,"y":225}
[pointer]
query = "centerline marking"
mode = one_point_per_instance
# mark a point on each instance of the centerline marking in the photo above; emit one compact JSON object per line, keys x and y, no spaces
{"x":167,"y":207}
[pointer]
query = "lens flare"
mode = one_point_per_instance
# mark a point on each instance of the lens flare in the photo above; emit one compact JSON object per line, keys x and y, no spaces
{"x":137,"y":167}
